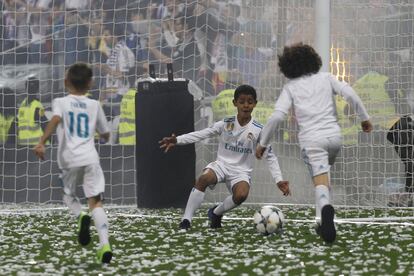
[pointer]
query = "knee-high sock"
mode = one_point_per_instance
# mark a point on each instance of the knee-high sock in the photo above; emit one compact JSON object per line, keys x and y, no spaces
{"x":321,"y":198}
{"x":101,"y":224}
{"x":194,"y":202}
{"x":73,"y":203}
{"x":225,"y":206}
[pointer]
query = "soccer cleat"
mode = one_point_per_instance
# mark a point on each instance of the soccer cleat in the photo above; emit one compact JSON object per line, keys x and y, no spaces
{"x":104,"y":254}
{"x":215,"y":220}
{"x":185,"y":224}
{"x":327,"y":228}
{"x":84,"y":236}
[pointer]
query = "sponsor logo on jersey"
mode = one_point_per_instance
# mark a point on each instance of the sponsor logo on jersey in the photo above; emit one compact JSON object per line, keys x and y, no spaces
{"x":238,"y":149}
{"x":230,"y":126}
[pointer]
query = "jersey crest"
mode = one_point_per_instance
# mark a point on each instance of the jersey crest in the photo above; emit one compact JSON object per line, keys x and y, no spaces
{"x":229,"y":126}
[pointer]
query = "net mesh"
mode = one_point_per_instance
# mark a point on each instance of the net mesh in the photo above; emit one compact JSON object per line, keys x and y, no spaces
{"x":218,"y":45}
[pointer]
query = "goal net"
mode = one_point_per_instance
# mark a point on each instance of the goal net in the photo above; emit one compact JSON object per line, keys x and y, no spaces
{"x":218,"y":45}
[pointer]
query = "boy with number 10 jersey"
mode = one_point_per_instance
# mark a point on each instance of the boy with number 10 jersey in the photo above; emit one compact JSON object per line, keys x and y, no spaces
{"x":76,"y":118}
{"x":81,"y":117}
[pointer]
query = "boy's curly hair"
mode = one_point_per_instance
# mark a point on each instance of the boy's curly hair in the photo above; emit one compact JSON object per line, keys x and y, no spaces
{"x":299,"y":60}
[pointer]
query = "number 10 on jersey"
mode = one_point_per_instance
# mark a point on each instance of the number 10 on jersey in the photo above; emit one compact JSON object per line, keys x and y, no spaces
{"x":80,"y":124}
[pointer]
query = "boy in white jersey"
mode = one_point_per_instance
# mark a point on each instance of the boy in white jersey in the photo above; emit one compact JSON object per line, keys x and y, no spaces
{"x":76,"y":118}
{"x":235,"y":158}
{"x":311,"y":93}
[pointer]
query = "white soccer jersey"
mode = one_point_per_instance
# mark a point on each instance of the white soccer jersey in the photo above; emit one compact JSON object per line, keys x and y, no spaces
{"x":237,"y":145}
{"x":80,"y":117}
{"x":312,"y":98}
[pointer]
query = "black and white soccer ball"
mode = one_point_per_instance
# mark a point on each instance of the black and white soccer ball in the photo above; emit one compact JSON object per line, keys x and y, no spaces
{"x":268,"y":220}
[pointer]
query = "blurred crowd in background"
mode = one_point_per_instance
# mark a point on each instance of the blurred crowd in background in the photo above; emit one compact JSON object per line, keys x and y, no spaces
{"x":216,"y":44}
{"x":202,"y":39}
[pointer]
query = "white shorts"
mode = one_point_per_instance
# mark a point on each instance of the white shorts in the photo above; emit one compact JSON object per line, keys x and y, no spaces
{"x":320,"y":155}
{"x":91,"y":177}
{"x":228,"y":175}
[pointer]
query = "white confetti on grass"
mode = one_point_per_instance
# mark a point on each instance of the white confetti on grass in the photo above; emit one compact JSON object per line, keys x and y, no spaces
{"x":153,"y":244}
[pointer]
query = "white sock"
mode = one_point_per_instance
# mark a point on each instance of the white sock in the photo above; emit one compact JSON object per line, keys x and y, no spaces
{"x":225,"y":206}
{"x":73,"y":203}
{"x":321,"y":199}
{"x":101,"y":224}
{"x":194,"y":202}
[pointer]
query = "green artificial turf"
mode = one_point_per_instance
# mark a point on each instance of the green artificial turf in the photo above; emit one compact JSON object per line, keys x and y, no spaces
{"x":149,"y":242}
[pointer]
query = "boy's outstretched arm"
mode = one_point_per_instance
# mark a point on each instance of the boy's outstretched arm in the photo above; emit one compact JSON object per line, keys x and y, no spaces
{"x":268,"y":132}
{"x":168,"y":142}
{"x":355,"y":101}
{"x":192,"y":137}
{"x":274,"y":169}
{"x":39,"y":149}
{"x":282,"y":106}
